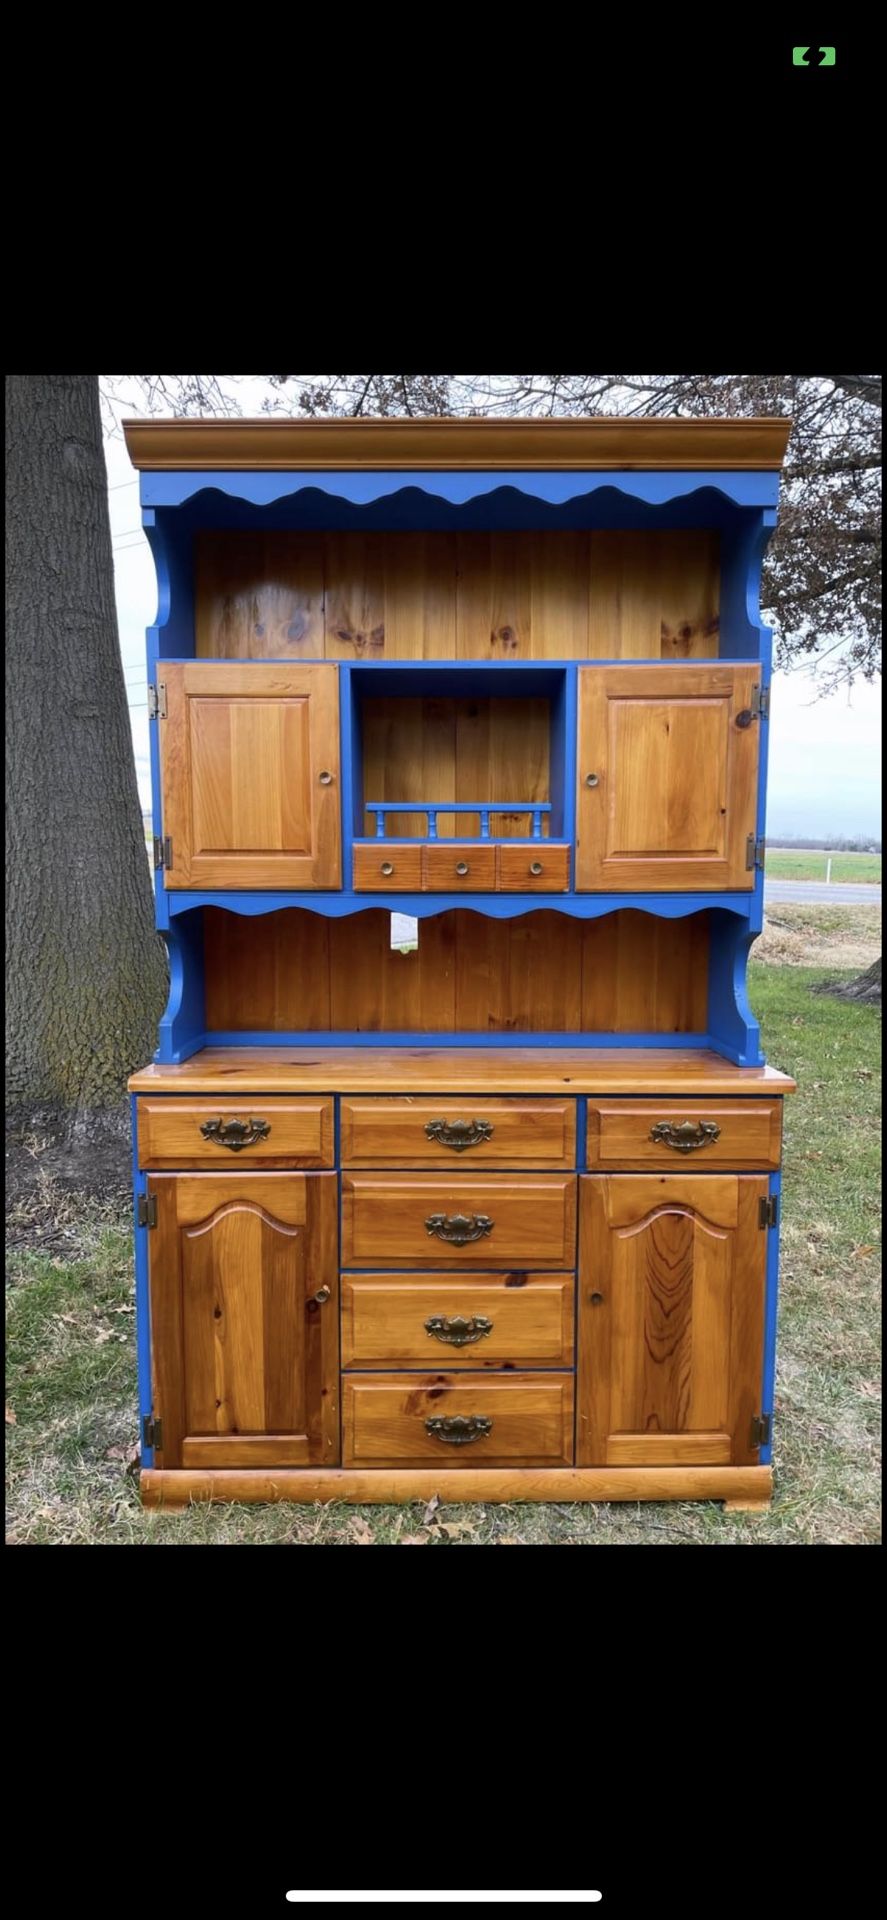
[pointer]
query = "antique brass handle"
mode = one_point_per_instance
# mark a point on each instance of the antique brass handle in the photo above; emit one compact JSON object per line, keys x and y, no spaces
{"x":322,"y":1295}
{"x":535,"y":866}
{"x":462,"y":867}
{"x":459,"y":1134}
{"x":235,"y":1134}
{"x":459,"y":1228}
{"x":326,"y":779}
{"x":686,"y":1135}
{"x":591,"y":780}
{"x":459,"y":1429}
{"x":387,"y":867}
{"x":456,"y":1331}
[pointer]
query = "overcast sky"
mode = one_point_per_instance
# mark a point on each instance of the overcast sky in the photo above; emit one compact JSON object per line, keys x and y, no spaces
{"x":824,"y":753}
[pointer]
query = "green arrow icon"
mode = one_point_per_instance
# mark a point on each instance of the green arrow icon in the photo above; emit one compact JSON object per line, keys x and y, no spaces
{"x":826,"y":57}
{"x":799,"y":56}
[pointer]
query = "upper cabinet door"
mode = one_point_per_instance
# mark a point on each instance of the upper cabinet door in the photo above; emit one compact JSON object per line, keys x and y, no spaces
{"x":250,"y":772}
{"x":668,"y":776}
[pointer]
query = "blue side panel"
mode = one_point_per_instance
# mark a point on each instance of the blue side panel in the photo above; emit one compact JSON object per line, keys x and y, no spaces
{"x":771,"y":1310}
{"x":143,"y":1308}
{"x":733,"y":1028}
{"x":183,"y":1024}
{"x":361,"y":487}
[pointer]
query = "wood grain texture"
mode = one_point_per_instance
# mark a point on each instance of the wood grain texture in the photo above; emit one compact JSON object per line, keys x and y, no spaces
{"x":671,"y":1316}
{"x":384,"y":1415}
{"x":442,"y":869}
{"x":749,"y":1136}
{"x":741,"y":1488}
{"x":437,"y":749}
{"x":300,"y":1133}
{"x":392,"y":1132}
{"x":258,"y":595}
{"x":242,"y":751}
{"x":388,"y":869}
{"x":384,"y":1219}
{"x":459,"y":1070}
{"x":654,"y":594}
{"x":533,"y":868}
{"x":531,"y":1318}
{"x":240,"y":1345}
{"x":676,"y":779}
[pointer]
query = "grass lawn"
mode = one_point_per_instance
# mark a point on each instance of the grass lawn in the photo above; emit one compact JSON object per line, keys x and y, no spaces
{"x":71,"y":1384}
{"x":797,"y":863}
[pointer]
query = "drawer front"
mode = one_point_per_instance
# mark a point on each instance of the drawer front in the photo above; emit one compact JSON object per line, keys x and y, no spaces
{"x":471,"y":869}
{"x":634,"y":1134}
{"x":407,"y":1220}
{"x":391,"y":1420}
{"x":489,"y":1320}
{"x":537,"y":868}
{"x":233,"y":1134}
{"x":394,"y":868}
{"x":435,"y":1132}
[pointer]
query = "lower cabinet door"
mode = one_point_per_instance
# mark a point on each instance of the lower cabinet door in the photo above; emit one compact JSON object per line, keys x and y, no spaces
{"x":671,"y":1319}
{"x":244,"y":1319}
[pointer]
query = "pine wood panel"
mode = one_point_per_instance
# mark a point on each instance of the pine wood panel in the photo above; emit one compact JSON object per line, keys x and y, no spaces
{"x":671,"y":1317}
{"x":388,"y":868}
{"x":741,"y":1488}
{"x":420,"y":596}
{"x":530,"y":1317}
{"x":409,"y":753}
{"x":619,"y":1134}
{"x":384,"y":1219}
{"x":242,"y":752}
{"x":654,"y":594}
{"x":644,"y":975}
{"x":258,"y":595}
{"x":392,"y":1131}
{"x":519,"y":976}
{"x":240,"y":1346}
{"x":374,"y":988}
{"x":383,"y":1419}
{"x":442,"y":869}
{"x":267,"y":973}
{"x":300,"y":1133}
{"x":676,"y":778}
{"x":354,"y":596}
{"x":517,"y":869}
{"x":459,"y":1070}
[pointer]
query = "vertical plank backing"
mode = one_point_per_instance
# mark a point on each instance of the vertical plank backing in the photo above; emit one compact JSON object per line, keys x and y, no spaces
{"x":258,"y":596}
{"x":420,"y":596}
{"x":374,"y":989}
{"x":654,"y":595}
{"x":354,"y":594}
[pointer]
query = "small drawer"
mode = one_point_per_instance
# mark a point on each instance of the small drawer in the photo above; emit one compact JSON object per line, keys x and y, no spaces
{"x":392,"y":1420}
{"x":388,"y":868}
{"x":634,"y":1134}
{"x":471,"y":869}
{"x":490,"y":1320}
{"x":400,"y":1132}
{"x":175,"y":1133}
{"x":536,"y":868}
{"x":406,"y":1220}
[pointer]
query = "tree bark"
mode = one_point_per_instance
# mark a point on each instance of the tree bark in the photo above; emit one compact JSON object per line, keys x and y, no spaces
{"x":865,"y":989}
{"x":85,"y":968}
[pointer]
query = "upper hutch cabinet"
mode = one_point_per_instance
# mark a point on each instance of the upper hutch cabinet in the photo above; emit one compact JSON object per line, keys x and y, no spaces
{"x":668,"y":777}
{"x":250,"y":776}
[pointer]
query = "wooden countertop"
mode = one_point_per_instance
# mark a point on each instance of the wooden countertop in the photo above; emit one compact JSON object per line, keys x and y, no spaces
{"x":656,"y":1070}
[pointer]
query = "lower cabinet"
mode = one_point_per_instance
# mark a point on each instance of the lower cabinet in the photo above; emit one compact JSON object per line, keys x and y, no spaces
{"x":671,"y":1319}
{"x":243,"y":1278}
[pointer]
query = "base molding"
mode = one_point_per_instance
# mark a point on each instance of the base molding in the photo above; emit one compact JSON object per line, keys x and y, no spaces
{"x":739,"y":1487}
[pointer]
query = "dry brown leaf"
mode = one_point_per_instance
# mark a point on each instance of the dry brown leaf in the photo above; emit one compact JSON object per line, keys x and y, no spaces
{"x":102,"y":1334}
{"x":431,"y":1510}
{"x":414,"y":1540}
{"x":508,"y":1540}
{"x":453,"y":1528}
{"x":11,"y":1418}
{"x":361,"y":1531}
{"x":862,"y":1253}
{"x":127,"y":1453}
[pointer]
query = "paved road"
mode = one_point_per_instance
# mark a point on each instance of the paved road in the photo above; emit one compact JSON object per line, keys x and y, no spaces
{"x":816,"y":893}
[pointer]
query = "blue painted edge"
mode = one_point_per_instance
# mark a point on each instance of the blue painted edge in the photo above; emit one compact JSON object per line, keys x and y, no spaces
{"x":444,"y":1042}
{"x":361,"y":487}
{"x":771,"y":1314}
{"x":143,"y":1304}
{"x":497,"y":906}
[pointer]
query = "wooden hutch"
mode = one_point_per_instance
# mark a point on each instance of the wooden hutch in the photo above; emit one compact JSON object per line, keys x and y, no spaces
{"x":481,"y":1200}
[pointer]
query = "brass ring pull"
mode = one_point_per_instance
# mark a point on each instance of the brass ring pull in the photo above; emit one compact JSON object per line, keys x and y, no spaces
{"x":591,"y":780}
{"x":387,"y":868}
{"x":459,"y":1429}
{"x":457,"y":1331}
{"x":459,"y":1228}
{"x":535,"y":866}
{"x":686,"y":1135}
{"x":235,"y":1134}
{"x":326,"y":779}
{"x":459,"y":1134}
{"x":462,"y":867}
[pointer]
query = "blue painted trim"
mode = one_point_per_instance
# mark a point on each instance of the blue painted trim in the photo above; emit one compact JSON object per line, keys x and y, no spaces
{"x":581,"y":1132}
{"x":771,"y":1313}
{"x":731,"y":1022}
{"x":364,"y":486}
{"x":444,"y":1041}
{"x":183,"y":1022}
{"x":497,"y":906}
{"x":143,"y":1303}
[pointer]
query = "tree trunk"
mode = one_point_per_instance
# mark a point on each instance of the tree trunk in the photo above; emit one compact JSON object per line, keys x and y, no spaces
{"x":865,"y":989}
{"x":85,"y":969}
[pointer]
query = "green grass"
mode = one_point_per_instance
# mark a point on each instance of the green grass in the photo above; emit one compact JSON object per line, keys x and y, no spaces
{"x":71,"y":1381}
{"x":796,"y":863}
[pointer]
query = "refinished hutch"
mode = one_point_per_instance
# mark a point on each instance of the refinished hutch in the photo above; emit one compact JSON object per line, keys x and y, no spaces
{"x":457,"y":1165}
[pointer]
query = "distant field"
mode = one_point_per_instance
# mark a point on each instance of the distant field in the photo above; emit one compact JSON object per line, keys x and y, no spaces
{"x":797,"y":863}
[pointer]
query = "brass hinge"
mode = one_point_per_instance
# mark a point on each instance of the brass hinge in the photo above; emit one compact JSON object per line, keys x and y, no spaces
{"x":147,"y":1210}
{"x":760,"y":1430}
{"x":157,"y":701}
{"x":152,"y":1432}
{"x":755,"y":849}
{"x":162,"y":853}
{"x":768,"y":1211}
{"x":760,"y":702}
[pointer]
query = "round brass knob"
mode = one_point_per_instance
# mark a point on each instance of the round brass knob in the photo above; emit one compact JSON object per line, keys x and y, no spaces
{"x":596,"y":1299}
{"x":326,"y":779}
{"x":591,"y":779}
{"x":535,"y":866}
{"x":387,"y":867}
{"x":462,"y":866}
{"x":322,"y":1295}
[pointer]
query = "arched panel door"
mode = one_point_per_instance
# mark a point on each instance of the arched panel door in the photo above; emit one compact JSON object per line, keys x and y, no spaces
{"x":671,"y":1319}
{"x":244,"y":1319}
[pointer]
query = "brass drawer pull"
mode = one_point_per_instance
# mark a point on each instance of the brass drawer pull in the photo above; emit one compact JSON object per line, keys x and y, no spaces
{"x":536,"y":866}
{"x":235,"y":1134}
{"x":459,"y":1228}
{"x":591,"y":779}
{"x":462,"y":867}
{"x":686,"y":1135}
{"x":326,"y":779}
{"x":459,"y":1429}
{"x":459,"y":1134}
{"x":387,"y":868}
{"x":456,"y":1331}
{"x":322,"y":1296}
